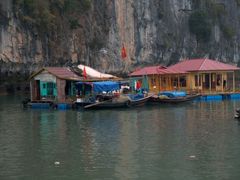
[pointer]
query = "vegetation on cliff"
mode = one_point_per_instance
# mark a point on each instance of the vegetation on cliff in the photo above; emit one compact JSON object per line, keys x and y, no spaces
{"x":44,"y":13}
{"x":202,"y":20}
{"x":36,"y":33}
{"x":200,"y":26}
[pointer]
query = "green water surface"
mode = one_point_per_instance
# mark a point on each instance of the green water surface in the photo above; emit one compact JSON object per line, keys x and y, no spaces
{"x":190,"y":141}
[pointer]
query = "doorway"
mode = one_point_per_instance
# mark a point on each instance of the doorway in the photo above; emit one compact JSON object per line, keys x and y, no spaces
{"x":206,"y":82}
{"x":37,"y":83}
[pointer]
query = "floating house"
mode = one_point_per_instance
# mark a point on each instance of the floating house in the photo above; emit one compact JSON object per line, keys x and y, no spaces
{"x":57,"y":85}
{"x":53,"y":83}
{"x":205,"y":76}
{"x":160,"y":78}
{"x":209,"y":76}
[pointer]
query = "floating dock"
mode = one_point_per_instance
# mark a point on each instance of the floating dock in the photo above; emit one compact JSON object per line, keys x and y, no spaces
{"x":48,"y":105}
{"x":67,"y":105}
{"x":219,"y":97}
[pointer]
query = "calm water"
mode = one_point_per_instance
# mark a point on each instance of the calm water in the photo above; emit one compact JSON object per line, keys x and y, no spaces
{"x":198,"y":140}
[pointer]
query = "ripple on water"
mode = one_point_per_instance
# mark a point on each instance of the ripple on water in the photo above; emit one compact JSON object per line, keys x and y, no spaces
{"x":189,"y":141}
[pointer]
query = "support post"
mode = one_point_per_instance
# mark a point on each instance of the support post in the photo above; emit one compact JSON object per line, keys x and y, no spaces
{"x":233,"y":81}
{"x":179,"y":86}
{"x":198,"y":82}
{"x":160,"y":84}
{"x":210,"y":82}
{"x":222,"y":82}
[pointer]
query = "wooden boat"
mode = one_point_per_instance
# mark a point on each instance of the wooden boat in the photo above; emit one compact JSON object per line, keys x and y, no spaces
{"x":138,"y":100}
{"x":178,"y":99}
{"x":112,"y":103}
{"x":109,"y":99}
{"x":82,"y":102}
{"x":124,"y":101}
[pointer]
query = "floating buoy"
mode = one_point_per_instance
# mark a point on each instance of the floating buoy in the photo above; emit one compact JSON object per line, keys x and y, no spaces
{"x":192,"y":157}
{"x":237,"y":115}
{"x":56,"y":163}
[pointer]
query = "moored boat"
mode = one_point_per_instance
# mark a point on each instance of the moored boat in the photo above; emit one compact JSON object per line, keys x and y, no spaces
{"x":173,"y":97}
{"x":122,"y":101}
{"x":139,"y":100}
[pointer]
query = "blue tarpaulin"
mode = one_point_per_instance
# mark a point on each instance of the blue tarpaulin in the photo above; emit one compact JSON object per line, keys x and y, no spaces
{"x":105,"y":86}
{"x":172,"y":94}
{"x":101,"y":86}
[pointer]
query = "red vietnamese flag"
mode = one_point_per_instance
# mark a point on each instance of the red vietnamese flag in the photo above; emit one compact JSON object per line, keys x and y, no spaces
{"x":123,"y":53}
{"x":84,"y":73}
{"x":138,"y":85}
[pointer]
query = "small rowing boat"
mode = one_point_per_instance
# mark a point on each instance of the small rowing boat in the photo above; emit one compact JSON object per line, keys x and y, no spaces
{"x":123,"y":101}
{"x":173,"y":98}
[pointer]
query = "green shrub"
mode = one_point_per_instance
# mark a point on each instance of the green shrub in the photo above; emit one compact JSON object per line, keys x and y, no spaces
{"x":238,"y":2}
{"x":86,"y":4}
{"x":96,"y":43}
{"x":74,"y":23}
{"x":228,"y":32}
{"x":216,"y":11}
{"x":43,"y":13}
{"x":73,"y":6}
{"x":200,"y":25}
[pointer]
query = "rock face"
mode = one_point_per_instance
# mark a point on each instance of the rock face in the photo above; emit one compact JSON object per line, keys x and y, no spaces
{"x":152,"y":31}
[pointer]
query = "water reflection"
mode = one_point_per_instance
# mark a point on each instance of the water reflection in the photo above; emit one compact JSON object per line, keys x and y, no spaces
{"x":197,"y":140}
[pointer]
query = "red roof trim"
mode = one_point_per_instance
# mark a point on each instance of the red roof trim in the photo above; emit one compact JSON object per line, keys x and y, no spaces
{"x":203,"y":65}
{"x":62,"y":72}
{"x":186,"y":66}
{"x":151,"y":70}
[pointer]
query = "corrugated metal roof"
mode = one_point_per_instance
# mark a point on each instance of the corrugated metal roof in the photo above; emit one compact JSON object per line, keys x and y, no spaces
{"x":202,"y":65}
{"x":155,"y":70}
{"x":68,"y":74}
{"x":63,"y":73}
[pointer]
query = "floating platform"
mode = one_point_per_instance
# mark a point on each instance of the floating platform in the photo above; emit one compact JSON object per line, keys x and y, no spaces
{"x":64,"y":106}
{"x":219,"y":97}
{"x":47,"y":105}
{"x":40,"y":105}
{"x":69,"y":105}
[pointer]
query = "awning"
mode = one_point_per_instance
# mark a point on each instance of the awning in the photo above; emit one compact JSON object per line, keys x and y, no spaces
{"x":101,"y":86}
{"x":105,"y":86}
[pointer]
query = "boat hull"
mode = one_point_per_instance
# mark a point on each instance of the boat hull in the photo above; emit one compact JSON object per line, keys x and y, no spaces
{"x":115,"y":104}
{"x":139,"y":102}
{"x":174,"y":99}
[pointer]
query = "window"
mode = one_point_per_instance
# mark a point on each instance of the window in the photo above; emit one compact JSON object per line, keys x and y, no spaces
{"x":183,"y":82}
{"x":153,"y":81}
{"x":50,"y":87}
{"x":219,"y":79}
{"x":175,"y":82}
{"x":196,"y":80}
{"x":200,"y":82}
{"x":164,"y":80}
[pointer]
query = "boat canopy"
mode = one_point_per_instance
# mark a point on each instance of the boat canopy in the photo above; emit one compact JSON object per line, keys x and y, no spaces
{"x":94,"y":73}
{"x":172,"y":94}
{"x":101,"y":86}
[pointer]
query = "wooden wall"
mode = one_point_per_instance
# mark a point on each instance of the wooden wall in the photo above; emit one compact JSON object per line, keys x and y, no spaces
{"x":61,"y":90}
{"x":208,"y":82}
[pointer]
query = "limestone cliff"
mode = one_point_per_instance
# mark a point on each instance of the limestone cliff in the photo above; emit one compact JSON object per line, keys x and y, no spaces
{"x":152,"y":31}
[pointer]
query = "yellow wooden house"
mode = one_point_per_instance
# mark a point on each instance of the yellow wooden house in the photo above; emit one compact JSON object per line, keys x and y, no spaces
{"x":199,"y":75}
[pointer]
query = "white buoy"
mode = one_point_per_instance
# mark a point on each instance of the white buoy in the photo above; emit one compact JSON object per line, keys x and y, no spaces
{"x":56,"y":163}
{"x":236,"y":116}
{"x":192,"y":156}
